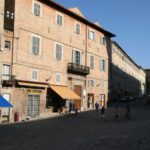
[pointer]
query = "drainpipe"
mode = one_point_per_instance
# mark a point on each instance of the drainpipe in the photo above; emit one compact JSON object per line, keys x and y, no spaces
{"x":12,"y":54}
{"x":86,"y":34}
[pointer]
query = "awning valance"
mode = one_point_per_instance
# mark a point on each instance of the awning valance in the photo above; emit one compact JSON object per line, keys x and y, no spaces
{"x":65,"y":93}
{"x":32,"y":84}
{"x":4,"y":102}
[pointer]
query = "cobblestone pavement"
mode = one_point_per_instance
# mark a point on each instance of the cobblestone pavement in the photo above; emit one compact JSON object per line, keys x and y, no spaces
{"x":83,"y":132}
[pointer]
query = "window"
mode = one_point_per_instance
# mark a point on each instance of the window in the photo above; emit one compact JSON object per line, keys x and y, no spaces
{"x":90,"y":83}
{"x":58,"y":78}
{"x":37,"y":9}
{"x":102,"y":40}
{"x":58,"y":52}
{"x":102,"y":97}
{"x":7,"y":45}
{"x":102,"y":65}
{"x":35,"y":45}
{"x":59,"y":19}
{"x":78,"y":28}
{"x":33,"y":108}
{"x":91,"y":35}
{"x":34,"y":75}
{"x":91,"y":61}
{"x":77,"y":58}
{"x":6,"y":72}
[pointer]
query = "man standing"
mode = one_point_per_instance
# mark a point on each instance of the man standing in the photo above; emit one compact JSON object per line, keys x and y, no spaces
{"x":103,"y":113}
{"x":96,"y":106}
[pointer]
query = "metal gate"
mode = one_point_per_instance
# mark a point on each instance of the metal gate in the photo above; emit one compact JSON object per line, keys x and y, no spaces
{"x":33,"y":105}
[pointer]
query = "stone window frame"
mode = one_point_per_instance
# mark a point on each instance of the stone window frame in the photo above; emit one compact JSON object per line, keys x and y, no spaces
{"x":40,"y":44}
{"x":75,"y":28}
{"x":41,"y":9}
{"x":60,"y":77}
{"x":56,"y":19}
{"x":37,"y":75}
{"x":62,"y":46}
{"x":91,"y":67}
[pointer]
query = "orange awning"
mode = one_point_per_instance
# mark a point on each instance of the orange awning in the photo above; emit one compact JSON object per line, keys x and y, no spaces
{"x":33,"y":84}
{"x":65,"y":93}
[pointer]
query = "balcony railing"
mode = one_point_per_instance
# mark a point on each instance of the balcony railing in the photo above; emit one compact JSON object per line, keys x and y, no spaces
{"x":7,"y":80}
{"x":78,"y":69}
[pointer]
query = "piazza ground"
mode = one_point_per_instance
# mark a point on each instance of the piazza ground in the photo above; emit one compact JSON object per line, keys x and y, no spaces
{"x":83,"y":132}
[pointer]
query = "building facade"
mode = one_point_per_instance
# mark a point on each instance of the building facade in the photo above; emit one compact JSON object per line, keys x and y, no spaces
{"x":147,"y":81}
{"x":45,"y":48}
{"x":127,"y":78}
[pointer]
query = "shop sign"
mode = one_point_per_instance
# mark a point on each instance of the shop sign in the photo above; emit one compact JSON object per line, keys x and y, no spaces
{"x":34,"y":91}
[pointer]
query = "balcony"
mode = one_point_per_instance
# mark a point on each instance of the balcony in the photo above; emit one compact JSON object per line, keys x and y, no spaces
{"x":78,"y":69}
{"x":7,"y":80}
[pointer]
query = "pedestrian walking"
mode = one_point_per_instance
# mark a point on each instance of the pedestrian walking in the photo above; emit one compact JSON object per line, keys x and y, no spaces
{"x":96,"y":106}
{"x":103,"y":113}
{"x":127,"y":112}
{"x":116,"y":113}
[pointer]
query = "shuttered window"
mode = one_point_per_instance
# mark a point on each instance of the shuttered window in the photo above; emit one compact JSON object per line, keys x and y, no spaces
{"x":58,"y":52}
{"x":35,"y":45}
{"x":6,"y":72}
{"x":36,"y":9}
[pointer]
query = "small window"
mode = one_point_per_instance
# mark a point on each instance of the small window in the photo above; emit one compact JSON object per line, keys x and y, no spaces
{"x":102,"y":97}
{"x":6,"y":72}
{"x":102,"y":65}
{"x":91,"y":61}
{"x":90,"y":83}
{"x":7,"y":45}
{"x":35,"y":45}
{"x":102,"y":40}
{"x":58,"y":52}
{"x":59,"y":19}
{"x":37,"y":9}
{"x":34,"y":75}
{"x":58,"y":78}
{"x":78,"y":28}
{"x":91,"y":35}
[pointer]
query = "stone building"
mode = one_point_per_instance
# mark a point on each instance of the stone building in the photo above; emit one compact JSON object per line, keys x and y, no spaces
{"x":47,"y":50}
{"x":126,"y":77}
{"x":147,"y":81}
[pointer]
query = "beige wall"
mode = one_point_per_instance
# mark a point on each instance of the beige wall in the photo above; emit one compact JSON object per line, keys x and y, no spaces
{"x":45,"y":27}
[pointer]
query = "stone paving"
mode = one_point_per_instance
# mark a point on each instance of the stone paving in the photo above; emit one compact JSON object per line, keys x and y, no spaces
{"x":83,"y":132}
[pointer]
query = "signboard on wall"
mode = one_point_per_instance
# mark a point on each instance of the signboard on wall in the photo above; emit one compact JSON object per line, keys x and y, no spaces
{"x":34,"y":91}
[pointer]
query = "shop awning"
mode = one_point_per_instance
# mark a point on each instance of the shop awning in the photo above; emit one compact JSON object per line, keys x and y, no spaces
{"x":32,"y":84}
{"x":65,"y":93}
{"x":4,"y":102}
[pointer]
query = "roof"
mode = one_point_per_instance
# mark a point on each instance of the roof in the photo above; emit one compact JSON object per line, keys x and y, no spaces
{"x":60,"y":8}
{"x":76,"y":11}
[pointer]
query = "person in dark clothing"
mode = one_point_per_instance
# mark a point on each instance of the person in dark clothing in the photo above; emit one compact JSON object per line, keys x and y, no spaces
{"x":127,"y":112}
{"x":96,"y":106}
{"x":103,"y":113}
{"x":116,"y":113}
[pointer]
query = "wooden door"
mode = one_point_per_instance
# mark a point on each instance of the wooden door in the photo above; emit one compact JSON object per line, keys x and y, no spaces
{"x":77,"y":90}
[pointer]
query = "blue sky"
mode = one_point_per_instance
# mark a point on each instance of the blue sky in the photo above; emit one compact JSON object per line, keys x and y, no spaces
{"x":128,"y":19}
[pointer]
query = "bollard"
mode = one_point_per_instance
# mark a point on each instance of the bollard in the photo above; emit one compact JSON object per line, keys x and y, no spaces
{"x":16,"y":116}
